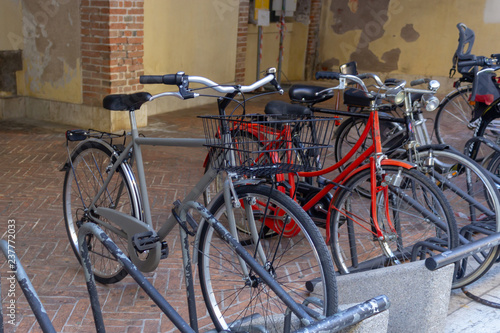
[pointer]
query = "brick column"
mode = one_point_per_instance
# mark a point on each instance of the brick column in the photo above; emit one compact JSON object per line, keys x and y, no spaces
{"x":241,"y":44}
{"x":112,"y":33}
{"x":312,"y":39}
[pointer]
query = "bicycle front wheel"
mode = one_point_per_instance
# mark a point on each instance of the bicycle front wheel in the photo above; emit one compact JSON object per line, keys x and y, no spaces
{"x":84,"y":177}
{"x":474,"y":199}
{"x":453,"y":118}
{"x":235,"y":296}
{"x":414,"y":217}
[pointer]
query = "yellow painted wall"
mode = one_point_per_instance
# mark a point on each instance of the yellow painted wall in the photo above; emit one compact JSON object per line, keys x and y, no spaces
{"x":294,"y":53}
{"x":11,"y":25}
{"x":435,"y":22}
{"x":197,"y":37}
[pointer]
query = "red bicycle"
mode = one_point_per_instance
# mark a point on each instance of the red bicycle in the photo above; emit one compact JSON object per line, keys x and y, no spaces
{"x":377,"y":211}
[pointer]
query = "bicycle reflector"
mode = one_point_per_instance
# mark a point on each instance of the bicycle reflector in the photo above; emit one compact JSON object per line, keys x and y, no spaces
{"x":76,"y":135}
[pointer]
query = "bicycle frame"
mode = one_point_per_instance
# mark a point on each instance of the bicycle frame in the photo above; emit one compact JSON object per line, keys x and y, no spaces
{"x":133,"y":226}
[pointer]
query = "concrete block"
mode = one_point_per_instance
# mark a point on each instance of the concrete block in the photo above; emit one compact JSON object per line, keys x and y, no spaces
{"x":419,"y":298}
{"x":12,"y":107}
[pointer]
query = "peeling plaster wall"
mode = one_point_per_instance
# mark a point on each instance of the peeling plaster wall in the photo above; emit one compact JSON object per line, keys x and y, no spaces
{"x":51,"y":50}
{"x":408,"y":37}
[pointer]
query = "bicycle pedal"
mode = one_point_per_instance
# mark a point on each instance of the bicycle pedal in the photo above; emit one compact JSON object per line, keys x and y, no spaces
{"x":164,"y":250}
{"x":145,"y":241}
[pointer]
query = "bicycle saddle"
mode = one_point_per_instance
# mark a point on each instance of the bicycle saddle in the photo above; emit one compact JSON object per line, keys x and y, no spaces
{"x":284,"y":108}
{"x":125,"y":102}
{"x":307,"y":94}
{"x":356,"y":97}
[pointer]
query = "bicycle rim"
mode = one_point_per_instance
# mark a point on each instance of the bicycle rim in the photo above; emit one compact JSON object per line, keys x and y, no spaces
{"x":421,"y":223}
{"x":474,"y":200}
{"x":238,"y":301}
{"x":83,"y":179}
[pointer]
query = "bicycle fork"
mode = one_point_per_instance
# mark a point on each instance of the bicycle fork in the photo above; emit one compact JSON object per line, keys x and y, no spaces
{"x":381,"y":193}
{"x":247,"y":261}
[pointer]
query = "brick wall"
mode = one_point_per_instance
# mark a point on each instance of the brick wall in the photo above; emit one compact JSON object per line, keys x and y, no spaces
{"x":312,"y":39}
{"x":112,"y":34}
{"x":241,"y":44}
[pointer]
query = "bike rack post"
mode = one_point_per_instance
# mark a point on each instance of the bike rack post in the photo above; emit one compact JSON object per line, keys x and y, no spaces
{"x":168,"y":310}
{"x":333,"y":323}
{"x":350,"y":316}
{"x":29,"y":292}
{"x":489,"y":143}
{"x":463,"y":251}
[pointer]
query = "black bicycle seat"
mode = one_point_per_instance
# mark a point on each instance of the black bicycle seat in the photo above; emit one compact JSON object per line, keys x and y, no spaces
{"x":307,"y":94}
{"x":356,"y":97}
{"x":125,"y":102}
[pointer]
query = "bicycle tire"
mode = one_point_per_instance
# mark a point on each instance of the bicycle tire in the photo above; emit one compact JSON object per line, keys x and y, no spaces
{"x":453,"y":116}
{"x":354,"y":245}
{"x":81,"y":183}
{"x":297,"y":260}
{"x":474,"y":199}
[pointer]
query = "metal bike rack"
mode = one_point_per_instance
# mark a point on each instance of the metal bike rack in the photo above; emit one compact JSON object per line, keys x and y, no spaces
{"x":29,"y":292}
{"x":463,"y":251}
{"x":490,"y":144}
{"x":333,"y":323}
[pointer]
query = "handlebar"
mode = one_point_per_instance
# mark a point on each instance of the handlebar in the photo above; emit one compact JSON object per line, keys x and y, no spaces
{"x":480,"y":61}
{"x":358,"y":79}
{"x":342,"y":78}
{"x":182,"y":81}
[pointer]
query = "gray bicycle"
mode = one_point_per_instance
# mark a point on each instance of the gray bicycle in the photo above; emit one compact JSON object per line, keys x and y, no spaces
{"x":249,"y":278}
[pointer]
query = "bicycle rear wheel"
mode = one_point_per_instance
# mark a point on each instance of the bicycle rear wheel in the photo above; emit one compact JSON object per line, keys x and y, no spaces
{"x":241,"y":301}
{"x":422,"y":221}
{"x":473,"y":196}
{"x":453,"y":118}
{"x":84,"y":177}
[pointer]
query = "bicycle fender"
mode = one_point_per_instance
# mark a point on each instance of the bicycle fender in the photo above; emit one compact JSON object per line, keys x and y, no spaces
{"x":391,"y":162}
{"x":71,"y":156}
{"x":133,"y":226}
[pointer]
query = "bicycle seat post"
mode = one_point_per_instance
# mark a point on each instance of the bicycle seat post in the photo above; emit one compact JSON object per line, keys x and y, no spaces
{"x":140,"y":168}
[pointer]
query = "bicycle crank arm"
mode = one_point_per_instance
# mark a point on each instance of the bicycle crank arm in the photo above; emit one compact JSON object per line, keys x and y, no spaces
{"x":133,"y":226}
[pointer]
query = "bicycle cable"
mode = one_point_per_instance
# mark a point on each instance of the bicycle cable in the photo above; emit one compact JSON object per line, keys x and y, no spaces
{"x":480,"y":300}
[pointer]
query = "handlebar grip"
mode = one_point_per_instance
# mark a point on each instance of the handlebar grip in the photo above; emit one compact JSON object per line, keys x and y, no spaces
{"x":171,"y":79}
{"x":391,"y":81}
{"x":418,"y":81}
{"x":467,"y":63}
{"x":327,"y":75}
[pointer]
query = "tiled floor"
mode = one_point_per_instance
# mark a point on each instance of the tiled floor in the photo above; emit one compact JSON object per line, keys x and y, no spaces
{"x":31,"y":154}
